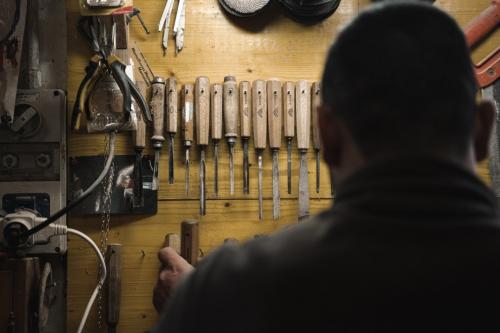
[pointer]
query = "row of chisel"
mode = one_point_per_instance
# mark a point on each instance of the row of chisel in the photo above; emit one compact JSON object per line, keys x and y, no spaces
{"x":270,"y":107}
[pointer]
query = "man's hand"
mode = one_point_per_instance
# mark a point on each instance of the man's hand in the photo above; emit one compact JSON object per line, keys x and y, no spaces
{"x":173,"y":268}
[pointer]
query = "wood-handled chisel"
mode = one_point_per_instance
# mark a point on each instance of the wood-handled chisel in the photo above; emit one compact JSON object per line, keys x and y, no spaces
{"x":274,"y":116}
{"x":231,"y":122}
{"x":303,"y":118}
{"x":187,"y":126}
{"x":202,"y":113}
{"x":289,"y":126}
{"x":245,"y":121}
{"x":316,"y":102}
{"x":173,"y":241}
{"x":172,"y":106}
{"x":113,"y":285}
{"x":190,"y":241}
{"x":216,"y":128}
{"x":158,"y":110}
{"x":139,"y":145}
{"x":259,"y":106}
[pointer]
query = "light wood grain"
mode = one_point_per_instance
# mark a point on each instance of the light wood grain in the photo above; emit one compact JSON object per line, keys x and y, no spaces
{"x":259,"y":114}
{"x":230,"y":107}
{"x":289,"y":109}
{"x":157,"y":104}
{"x":216,"y":97}
{"x":245,"y":109}
{"x":216,"y":45}
{"x":188,"y":113}
{"x":303,"y":113}
{"x":140,"y":133}
{"x":274,"y":113}
{"x":172,"y":105}
{"x":202,"y":110}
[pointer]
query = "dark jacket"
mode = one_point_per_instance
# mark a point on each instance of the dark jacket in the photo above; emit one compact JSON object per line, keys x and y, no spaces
{"x":411,"y":246}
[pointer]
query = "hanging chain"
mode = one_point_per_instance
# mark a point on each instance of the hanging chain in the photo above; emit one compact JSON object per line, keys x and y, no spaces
{"x":107,"y":190}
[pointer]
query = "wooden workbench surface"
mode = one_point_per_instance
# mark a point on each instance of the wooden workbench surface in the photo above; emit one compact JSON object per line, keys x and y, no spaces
{"x":271,"y":46}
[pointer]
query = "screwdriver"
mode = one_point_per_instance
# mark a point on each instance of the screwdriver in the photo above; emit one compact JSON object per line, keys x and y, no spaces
{"x":274,"y":115}
{"x":245,"y":97}
{"x":303,"y":117}
{"x":158,"y":111}
{"x":259,"y":107}
{"x":140,"y":144}
{"x":230,"y":122}
{"x":202,"y":112}
{"x":289,"y":126}
{"x":316,"y":101}
{"x":216,"y":125}
{"x":187,"y":126}
{"x":172,"y":107}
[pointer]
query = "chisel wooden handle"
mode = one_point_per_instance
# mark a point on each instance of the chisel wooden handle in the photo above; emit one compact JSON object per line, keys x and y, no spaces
{"x":289,"y":109}
{"x":303,"y":114}
{"x":158,"y":108}
{"x":173,"y":241}
{"x":259,"y":111}
{"x":230,"y":107}
{"x":190,"y":241}
{"x":113,"y":283}
{"x":316,"y":102}
{"x":172,"y":105}
{"x":187,"y":112}
{"x":483,"y":24}
{"x":274,"y":113}
{"x":140,"y":133}
{"x":245,"y":110}
{"x":202,"y":109}
{"x":216,"y":111}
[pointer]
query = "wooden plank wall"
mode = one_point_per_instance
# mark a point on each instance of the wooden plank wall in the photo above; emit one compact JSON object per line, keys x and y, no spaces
{"x":216,"y":45}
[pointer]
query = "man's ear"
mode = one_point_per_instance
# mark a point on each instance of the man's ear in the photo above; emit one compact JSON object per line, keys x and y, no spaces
{"x":485,"y":116}
{"x":330,"y":138}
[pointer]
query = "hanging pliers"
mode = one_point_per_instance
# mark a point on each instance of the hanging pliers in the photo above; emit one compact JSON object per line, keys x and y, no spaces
{"x":92,"y":29}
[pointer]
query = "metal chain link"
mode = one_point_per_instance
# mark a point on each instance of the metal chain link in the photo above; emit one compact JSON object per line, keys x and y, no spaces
{"x":107,"y":190}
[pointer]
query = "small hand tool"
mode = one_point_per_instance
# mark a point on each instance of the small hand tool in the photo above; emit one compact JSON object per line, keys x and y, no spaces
{"x":143,"y":65}
{"x":245,"y":97}
{"x":231,"y":122}
{"x":316,"y":102}
{"x":303,"y":117}
{"x":164,"y":24}
{"x":158,"y":109}
{"x":140,"y":144}
{"x":172,"y":106}
{"x":289,"y":126}
{"x":274,"y":116}
{"x":187,"y":126}
{"x":180,"y":26}
{"x":137,"y":12}
{"x":216,"y":129}
{"x":202,"y":112}
{"x":113,"y":285}
{"x":190,"y":241}
{"x":259,"y":106}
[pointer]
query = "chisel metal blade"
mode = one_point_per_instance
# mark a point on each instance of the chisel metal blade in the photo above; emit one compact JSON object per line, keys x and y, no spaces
{"x":276,"y":185}
{"x":216,"y":169}
{"x":186,"y":179}
{"x":303,"y":188}
{"x":289,"y":165}
{"x":231,"y":169}
{"x":246,"y":173}
{"x":202,"y":183}
{"x":155,"y":170}
{"x":261,"y":214}
{"x":171,"y":160}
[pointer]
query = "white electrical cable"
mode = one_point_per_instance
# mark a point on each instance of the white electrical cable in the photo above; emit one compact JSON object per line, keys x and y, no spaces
{"x":101,"y":280}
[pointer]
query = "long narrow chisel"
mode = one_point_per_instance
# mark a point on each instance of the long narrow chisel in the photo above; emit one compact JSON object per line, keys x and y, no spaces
{"x":289,"y":126}
{"x":216,"y":129}
{"x":172,"y":107}
{"x":231,"y":122}
{"x":202,"y":112}
{"x":274,"y":115}
{"x":259,"y":105}
{"x":303,"y":117}
{"x":187,"y":127}
{"x":158,"y":110}
{"x":316,"y":102}
{"x":245,"y":98}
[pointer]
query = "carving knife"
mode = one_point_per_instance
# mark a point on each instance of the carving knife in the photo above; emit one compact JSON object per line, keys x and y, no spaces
{"x":289,"y":126}
{"x":231,"y":122}
{"x":259,"y":105}
{"x":216,"y":130}
{"x":172,"y":107}
{"x":316,"y":102}
{"x":274,"y":115}
{"x":158,"y":111}
{"x":245,"y":98}
{"x":303,"y":117}
{"x":187,"y":127}
{"x":202,"y":112}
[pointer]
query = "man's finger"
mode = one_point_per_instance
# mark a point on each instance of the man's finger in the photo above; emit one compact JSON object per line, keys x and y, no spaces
{"x":168,"y":256}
